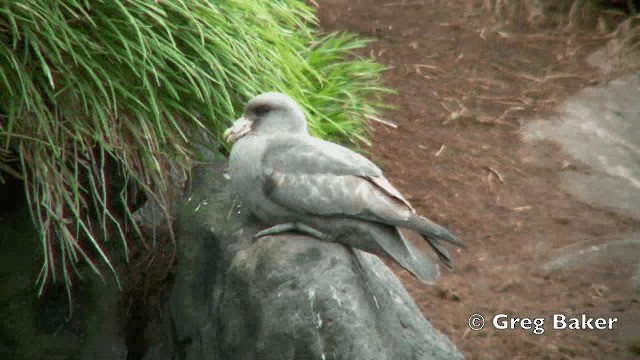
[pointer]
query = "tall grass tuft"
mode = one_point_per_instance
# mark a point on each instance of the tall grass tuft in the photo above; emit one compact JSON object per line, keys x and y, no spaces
{"x":83,"y":83}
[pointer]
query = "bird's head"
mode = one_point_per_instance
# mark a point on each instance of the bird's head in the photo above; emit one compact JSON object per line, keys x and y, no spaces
{"x":268,"y":113}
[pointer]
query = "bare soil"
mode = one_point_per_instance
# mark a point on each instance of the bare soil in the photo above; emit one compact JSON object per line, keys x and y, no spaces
{"x":465,"y":88}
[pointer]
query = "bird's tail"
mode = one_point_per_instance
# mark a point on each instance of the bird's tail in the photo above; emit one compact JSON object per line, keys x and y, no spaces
{"x":441,"y":251}
{"x":433,"y":234}
{"x":389,"y":242}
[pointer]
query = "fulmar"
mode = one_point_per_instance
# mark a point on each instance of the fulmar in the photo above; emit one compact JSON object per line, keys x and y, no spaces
{"x":294,"y":182}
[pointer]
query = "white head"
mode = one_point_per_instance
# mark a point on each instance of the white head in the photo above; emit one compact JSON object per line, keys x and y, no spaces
{"x":268,"y":113}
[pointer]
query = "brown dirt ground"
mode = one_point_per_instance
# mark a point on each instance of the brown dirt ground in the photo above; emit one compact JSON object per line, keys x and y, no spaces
{"x":464,"y":92}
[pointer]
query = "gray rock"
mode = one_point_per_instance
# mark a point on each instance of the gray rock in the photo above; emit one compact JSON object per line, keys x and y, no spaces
{"x":601,"y":59}
{"x":603,"y":191}
{"x":635,"y":279}
{"x":284,"y":297}
{"x":613,"y":252}
{"x":599,"y":127}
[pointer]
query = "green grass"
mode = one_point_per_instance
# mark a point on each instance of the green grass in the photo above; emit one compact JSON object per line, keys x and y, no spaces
{"x":86,"y":82}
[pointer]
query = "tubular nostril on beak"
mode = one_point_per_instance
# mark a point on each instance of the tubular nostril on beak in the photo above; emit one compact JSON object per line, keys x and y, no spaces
{"x":239,"y":128}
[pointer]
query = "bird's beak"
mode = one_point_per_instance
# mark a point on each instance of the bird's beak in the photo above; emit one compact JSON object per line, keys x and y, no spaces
{"x":239,"y":128}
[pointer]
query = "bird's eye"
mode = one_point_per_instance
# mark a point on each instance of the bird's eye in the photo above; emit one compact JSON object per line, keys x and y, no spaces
{"x":262,"y":109}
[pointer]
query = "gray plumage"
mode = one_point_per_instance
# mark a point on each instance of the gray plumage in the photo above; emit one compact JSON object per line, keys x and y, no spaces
{"x":293,"y":181}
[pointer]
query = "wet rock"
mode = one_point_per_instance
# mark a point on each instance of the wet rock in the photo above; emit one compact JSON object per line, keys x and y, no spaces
{"x":282,"y":297}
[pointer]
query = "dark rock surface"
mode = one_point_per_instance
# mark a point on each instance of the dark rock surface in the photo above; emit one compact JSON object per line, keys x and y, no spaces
{"x":284,"y":297}
{"x":43,"y":327}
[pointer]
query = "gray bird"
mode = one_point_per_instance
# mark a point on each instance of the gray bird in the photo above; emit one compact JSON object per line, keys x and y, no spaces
{"x":294,"y":182}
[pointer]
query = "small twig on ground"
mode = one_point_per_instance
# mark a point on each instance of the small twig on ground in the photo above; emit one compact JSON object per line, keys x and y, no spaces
{"x":415,"y":3}
{"x":496,"y":173}
{"x":446,"y":108}
{"x":373,"y":53}
{"x":490,"y":183}
{"x":540,"y":37}
{"x":433,"y":68}
{"x":441,"y":150}
{"x":522,"y":208}
{"x":511,"y":110}
{"x":491,"y":82}
{"x":496,"y":98}
{"x":506,"y":100}
{"x":535,"y":78}
{"x":502,"y":69}
{"x":381,"y":121}
{"x":560,"y":76}
{"x":483,"y":34}
{"x":528,"y":77}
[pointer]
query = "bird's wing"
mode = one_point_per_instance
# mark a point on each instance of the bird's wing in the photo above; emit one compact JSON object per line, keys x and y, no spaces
{"x":316,"y":177}
{"x":309,"y":155}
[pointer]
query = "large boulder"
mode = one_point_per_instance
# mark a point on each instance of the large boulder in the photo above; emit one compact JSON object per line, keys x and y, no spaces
{"x":280,"y":297}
